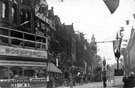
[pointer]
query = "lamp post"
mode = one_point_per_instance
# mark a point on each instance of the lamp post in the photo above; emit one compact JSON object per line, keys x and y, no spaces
{"x":104,"y":73}
{"x":117,"y":55}
{"x":117,"y":50}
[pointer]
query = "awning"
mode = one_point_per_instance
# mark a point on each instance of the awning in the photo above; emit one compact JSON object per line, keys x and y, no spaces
{"x":22,"y":63}
{"x":53,"y":68}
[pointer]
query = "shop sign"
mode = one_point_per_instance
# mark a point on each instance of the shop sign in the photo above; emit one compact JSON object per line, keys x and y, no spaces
{"x":14,"y":51}
{"x":26,"y":83}
{"x":42,"y":17}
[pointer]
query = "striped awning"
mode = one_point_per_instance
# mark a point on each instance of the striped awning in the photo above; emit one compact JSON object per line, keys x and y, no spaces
{"x":53,"y":68}
{"x":22,"y":63}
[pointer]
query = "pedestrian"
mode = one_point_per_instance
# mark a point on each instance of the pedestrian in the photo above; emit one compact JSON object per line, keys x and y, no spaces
{"x":126,"y":81}
{"x":131,"y":79}
{"x":104,"y":80}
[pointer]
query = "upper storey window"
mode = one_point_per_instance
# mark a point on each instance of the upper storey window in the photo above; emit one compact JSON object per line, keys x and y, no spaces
{"x":14,"y":13}
{"x":22,"y":1}
{"x":28,"y":18}
{"x":22,"y":16}
{"x":5,"y":10}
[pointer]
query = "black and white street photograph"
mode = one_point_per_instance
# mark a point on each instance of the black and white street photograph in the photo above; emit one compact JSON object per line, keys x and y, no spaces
{"x":67,"y":43}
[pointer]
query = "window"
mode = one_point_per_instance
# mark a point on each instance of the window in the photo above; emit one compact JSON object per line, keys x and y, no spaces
{"x":3,"y":73}
{"x":14,"y":13}
{"x":28,"y":18}
{"x":3,"y":10}
{"x":22,"y":16}
{"x":22,"y":1}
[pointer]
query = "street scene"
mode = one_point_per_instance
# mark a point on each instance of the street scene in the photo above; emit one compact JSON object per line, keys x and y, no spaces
{"x":67,"y":43}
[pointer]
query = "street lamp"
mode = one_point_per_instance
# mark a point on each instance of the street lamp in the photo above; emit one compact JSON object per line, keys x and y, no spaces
{"x":117,"y":50}
{"x":104,"y":62}
{"x":104,"y":73}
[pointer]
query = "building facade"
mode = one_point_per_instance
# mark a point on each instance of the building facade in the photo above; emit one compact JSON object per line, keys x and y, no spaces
{"x":129,"y":56}
{"x":25,"y":29}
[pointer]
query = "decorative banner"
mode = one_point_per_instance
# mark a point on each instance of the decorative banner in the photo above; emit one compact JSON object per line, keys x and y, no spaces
{"x":14,"y":51}
{"x":132,"y":57}
{"x":124,"y":43}
{"x":112,"y":5}
{"x":116,"y":45}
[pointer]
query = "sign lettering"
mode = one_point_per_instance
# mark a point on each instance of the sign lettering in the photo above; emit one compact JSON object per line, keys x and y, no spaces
{"x":13,"y":51}
{"x":42,"y":17}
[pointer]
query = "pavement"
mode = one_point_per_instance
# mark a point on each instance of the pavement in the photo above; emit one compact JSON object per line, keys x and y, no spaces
{"x":117,"y":83}
{"x":93,"y":85}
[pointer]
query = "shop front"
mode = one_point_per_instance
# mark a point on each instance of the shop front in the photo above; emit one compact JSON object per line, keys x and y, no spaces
{"x":25,"y":68}
{"x":18,"y":74}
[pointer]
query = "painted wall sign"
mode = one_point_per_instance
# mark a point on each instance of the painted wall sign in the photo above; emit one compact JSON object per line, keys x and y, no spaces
{"x":14,"y":51}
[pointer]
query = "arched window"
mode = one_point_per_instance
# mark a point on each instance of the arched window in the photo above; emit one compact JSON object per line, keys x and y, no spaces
{"x":28,"y":18}
{"x":22,"y":17}
{"x":5,"y":10}
{"x":22,"y":1}
{"x":14,"y":13}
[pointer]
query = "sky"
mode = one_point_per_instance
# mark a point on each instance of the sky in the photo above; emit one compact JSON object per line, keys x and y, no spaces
{"x":93,"y":17}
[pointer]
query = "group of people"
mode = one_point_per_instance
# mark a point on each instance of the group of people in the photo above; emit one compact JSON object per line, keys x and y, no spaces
{"x":129,"y":80}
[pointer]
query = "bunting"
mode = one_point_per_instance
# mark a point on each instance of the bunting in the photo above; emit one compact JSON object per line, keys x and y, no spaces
{"x":112,"y":5}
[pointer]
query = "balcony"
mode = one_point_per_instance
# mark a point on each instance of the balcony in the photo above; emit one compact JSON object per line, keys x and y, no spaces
{"x":12,"y":37}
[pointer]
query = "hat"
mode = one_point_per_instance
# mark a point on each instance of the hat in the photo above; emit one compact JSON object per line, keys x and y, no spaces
{"x":131,"y":73}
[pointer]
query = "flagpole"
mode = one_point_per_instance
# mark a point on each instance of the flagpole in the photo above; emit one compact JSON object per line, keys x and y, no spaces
{"x":117,"y":58}
{"x":117,"y":53}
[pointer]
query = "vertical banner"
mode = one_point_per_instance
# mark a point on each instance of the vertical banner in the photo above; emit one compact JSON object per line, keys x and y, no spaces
{"x":112,"y":5}
{"x":116,"y":45}
{"x":134,"y":16}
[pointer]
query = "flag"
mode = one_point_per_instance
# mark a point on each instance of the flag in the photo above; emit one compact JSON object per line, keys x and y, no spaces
{"x":116,"y":45}
{"x":134,"y":16}
{"x":127,"y":22}
{"x":124,"y":43}
{"x":112,"y":5}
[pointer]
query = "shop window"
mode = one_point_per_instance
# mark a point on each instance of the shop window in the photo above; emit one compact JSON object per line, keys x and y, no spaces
{"x":16,"y":72}
{"x":29,"y":73}
{"x":3,"y":73}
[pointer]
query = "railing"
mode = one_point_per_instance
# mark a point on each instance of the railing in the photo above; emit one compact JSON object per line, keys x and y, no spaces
{"x":13,"y":37}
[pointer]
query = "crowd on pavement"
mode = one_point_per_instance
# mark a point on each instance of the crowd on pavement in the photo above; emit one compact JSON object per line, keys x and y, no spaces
{"x":129,"y":80}
{"x":76,"y":80}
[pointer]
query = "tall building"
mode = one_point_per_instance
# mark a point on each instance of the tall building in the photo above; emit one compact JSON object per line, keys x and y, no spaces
{"x":25,"y":27}
{"x":71,"y":38}
{"x":129,"y":56}
{"x":93,"y":41}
